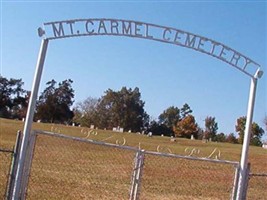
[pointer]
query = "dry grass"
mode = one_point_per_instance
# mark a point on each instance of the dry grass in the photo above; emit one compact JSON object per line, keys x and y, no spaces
{"x":64,"y":169}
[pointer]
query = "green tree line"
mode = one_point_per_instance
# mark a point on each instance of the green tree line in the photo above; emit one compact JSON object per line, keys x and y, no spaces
{"x":123,"y":108}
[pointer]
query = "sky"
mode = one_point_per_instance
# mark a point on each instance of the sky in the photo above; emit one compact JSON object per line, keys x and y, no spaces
{"x":166,"y":75}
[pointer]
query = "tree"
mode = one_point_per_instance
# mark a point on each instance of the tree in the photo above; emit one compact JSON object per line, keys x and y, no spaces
{"x":211,"y":128}
{"x":12,"y":98}
{"x":54,"y":102}
{"x":256,"y":131}
{"x":200,"y":133}
{"x":220,"y":137}
{"x":185,"y":110}
{"x":65,"y":95}
{"x":85,"y":112}
{"x":169,"y":118}
{"x":5,"y":100}
{"x":19,"y":109}
{"x":159,"y":129}
{"x":186,"y":127}
{"x":231,"y":139}
{"x":47,"y":103}
{"x":123,"y":108}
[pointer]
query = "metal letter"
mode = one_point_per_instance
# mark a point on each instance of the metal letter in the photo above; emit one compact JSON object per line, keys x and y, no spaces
{"x":164,"y":34}
{"x":178,"y":37}
{"x":236,"y":57}
{"x":247,"y":60}
{"x":87,"y":26}
{"x":137,"y":29}
{"x":223,"y":52}
{"x":126,"y":30}
{"x":60,"y":31}
{"x":102,"y":26}
{"x":190,"y":42}
{"x":71,"y":27}
{"x":200,"y":44}
{"x":148,"y":36}
{"x":114,"y":24}
{"x":213,"y":47}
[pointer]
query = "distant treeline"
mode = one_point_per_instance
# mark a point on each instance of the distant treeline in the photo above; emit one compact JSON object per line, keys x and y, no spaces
{"x":123,"y":108}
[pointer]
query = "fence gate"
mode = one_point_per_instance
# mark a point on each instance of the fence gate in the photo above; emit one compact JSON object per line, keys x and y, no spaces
{"x":64,"y":167}
{"x":167,"y":176}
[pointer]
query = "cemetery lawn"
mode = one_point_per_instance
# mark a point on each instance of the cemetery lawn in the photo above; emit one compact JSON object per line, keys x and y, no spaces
{"x":232,"y":152}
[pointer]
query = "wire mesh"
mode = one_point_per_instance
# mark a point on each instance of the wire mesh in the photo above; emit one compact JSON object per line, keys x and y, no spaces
{"x":180,"y":178}
{"x":5,"y":163}
{"x":67,"y":169}
{"x":257,"y":186}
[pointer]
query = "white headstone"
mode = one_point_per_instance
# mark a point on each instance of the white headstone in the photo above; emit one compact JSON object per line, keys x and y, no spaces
{"x":173,"y":139}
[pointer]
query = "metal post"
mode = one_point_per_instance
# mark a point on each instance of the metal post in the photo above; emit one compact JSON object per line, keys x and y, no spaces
{"x":234,"y":191}
{"x":137,"y":175}
{"x":27,"y":165}
{"x":241,"y":191}
{"x":14,"y":164}
{"x":29,"y":118}
{"x":244,"y":195}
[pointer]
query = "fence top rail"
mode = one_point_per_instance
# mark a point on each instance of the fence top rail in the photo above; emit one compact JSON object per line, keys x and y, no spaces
{"x":6,"y":150}
{"x":133,"y":148}
{"x":84,"y":140}
{"x":193,"y":158}
{"x":258,"y":174}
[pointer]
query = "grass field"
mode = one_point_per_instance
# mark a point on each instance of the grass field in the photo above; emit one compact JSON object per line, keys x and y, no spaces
{"x":63,"y":176}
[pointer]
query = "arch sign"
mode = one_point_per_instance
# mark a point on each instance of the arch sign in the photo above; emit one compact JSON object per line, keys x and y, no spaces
{"x":134,"y":29}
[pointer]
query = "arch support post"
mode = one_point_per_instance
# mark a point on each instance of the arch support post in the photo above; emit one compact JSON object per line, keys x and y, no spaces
{"x":243,"y":172}
{"x":29,"y":119}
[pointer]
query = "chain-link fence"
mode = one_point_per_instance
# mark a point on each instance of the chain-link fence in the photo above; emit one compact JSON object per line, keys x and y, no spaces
{"x":257,"y":186}
{"x":5,"y":173}
{"x":64,"y":167}
{"x":171,"y":177}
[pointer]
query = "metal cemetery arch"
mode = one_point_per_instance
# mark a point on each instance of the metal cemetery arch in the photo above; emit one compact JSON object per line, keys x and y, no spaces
{"x":135,"y":29}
